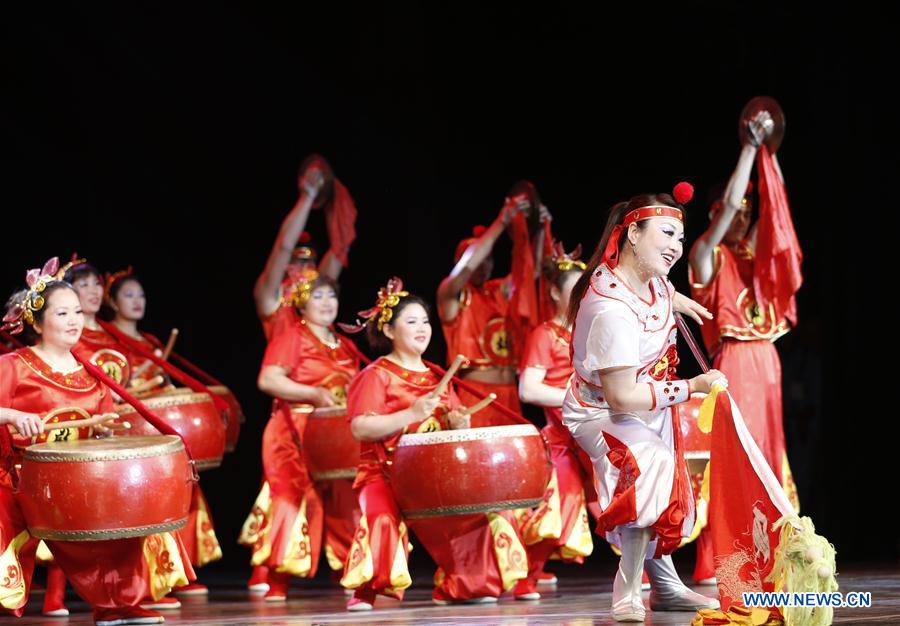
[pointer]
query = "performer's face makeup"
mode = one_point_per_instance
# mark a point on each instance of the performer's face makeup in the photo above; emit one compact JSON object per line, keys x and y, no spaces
{"x":410,"y":330}
{"x":659,"y":245}
{"x":322,"y":307}
{"x":131,"y":301}
{"x":63,"y":320}
{"x":90,"y":292}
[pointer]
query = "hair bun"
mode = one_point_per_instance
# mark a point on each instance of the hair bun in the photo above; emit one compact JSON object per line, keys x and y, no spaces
{"x":478,"y":231}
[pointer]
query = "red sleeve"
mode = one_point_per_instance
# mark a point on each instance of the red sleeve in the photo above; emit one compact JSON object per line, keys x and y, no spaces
{"x":283,"y":349}
{"x":106,"y":399}
{"x":8,"y":379}
{"x":538,"y":348}
{"x":367,"y":394}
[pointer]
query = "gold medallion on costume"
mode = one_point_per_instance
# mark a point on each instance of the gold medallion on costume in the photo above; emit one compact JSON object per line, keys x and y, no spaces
{"x":755,"y":315}
{"x":65,"y":414}
{"x":337,"y":384}
{"x":114,"y":364}
{"x":494,"y":342}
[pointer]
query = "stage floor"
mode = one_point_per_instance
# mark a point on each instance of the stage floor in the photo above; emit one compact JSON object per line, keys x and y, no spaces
{"x":579,"y":599}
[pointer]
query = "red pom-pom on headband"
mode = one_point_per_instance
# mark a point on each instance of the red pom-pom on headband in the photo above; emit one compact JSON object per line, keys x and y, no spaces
{"x":305,"y":237}
{"x":683,"y":192}
{"x":478,"y":231}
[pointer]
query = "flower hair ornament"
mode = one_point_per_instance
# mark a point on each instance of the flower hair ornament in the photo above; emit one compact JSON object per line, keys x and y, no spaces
{"x":111,"y":280}
{"x":302,"y":288}
{"x":683,"y":192}
{"x":37,"y":279}
{"x":388,"y":297}
{"x":75,"y":260}
{"x":565,"y":261}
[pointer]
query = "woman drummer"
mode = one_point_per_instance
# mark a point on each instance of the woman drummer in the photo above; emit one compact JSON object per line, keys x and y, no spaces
{"x":306,"y":365}
{"x":390,"y":397}
{"x":127,"y":303}
{"x":112,"y":575}
{"x":617,"y":405}
{"x":560,"y":524}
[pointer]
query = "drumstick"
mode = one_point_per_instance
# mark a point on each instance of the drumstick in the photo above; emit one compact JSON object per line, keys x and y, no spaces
{"x":140,"y":369}
{"x":480,"y":404}
{"x":144,"y":385}
{"x":84,"y":423}
{"x":457,"y":363}
{"x":170,"y":344}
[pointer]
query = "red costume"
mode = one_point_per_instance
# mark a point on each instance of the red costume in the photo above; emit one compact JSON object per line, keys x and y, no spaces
{"x":478,"y":332}
{"x":741,"y":338}
{"x":289,"y":532}
{"x":477,"y":555}
{"x":560,"y":524}
{"x":111,"y":574}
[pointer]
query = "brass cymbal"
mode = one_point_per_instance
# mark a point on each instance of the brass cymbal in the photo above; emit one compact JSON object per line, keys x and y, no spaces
{"x":754,"y":108}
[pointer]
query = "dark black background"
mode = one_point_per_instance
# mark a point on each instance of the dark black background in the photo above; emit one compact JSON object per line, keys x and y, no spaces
{"x":168,"y":138}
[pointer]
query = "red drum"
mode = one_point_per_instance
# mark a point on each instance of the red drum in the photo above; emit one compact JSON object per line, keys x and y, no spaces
{"x":475,"y":470}
{"x":192,"y":414}
{"x":235,"y":419}
{"x":330,"y":451}
{"x":695,"y":443}
{"x":97,"y":489}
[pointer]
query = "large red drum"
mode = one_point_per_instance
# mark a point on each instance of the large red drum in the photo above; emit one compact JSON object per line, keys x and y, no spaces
{"x":235,"y":419}
{"x":475,"y":470}
{"x":695,"y":443}
{"x":193,"y":416}
{"x":331,"y":452}
{"x":97,"y":489}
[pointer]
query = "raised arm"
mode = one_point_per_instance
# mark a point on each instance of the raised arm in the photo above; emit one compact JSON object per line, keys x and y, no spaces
{"x":267,"y":291}
{"x":475,"y":254}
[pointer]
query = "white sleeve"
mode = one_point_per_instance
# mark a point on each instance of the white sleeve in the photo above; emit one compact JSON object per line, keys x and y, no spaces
{"x":613,"y":340}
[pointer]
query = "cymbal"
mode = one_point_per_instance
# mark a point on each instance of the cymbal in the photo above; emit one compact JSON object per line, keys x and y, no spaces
{"x":751,"y":110}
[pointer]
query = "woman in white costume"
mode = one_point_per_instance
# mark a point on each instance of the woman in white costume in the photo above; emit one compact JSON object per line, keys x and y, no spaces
{"x":617,"y":405}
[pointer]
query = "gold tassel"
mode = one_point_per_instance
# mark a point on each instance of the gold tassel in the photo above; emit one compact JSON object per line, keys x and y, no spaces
{"x":804,"y":562}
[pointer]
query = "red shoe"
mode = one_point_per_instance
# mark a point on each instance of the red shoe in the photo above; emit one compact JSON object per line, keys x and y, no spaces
{"x":278,"y":587}
{"x":547,"y":578}
{"x":526,"y":589}
{"x":191,"y":589}
{"x":362,"y":600}
{"x":257,"y":582}
{"x":126,"y":615}
{"x":166,"y":603}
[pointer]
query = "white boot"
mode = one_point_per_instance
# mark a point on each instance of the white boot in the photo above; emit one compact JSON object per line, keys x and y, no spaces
{"x":668,"y":593}
{"x":627,"y":605}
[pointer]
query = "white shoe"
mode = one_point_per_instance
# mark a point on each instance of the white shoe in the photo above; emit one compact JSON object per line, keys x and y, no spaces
{"x":360,"y":606}
{"x":56,"y":613}
{"x":627,"y":605}
{"x":550,"y":580}
{"x":534,"y":595}
{"x":482,"y":600}
{"x":258,"y":588}
{"x":274,"y":599}
{"x":668,"y":593}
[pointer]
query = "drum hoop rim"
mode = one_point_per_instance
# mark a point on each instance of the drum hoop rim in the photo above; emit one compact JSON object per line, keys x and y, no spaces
{"x":468,"y":509}
{"x":165,"y":401}
{"x":334,"y":474}
{"x":102,"y":535}
{"x":58,"y":454}
{"x":207,"y":464}
{"x":467,"y":434}
{"x":696,"y":455}
{"x":318,"y":412}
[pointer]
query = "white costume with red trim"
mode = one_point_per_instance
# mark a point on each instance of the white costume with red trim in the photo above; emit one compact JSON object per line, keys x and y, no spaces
{"x":642,"y":480}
